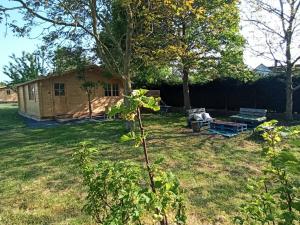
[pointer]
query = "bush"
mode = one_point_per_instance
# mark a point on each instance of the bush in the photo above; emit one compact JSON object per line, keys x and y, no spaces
{"x":275,"y":196}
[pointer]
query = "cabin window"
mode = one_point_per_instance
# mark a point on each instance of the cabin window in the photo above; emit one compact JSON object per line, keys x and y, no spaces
{"x":59,"y":89}
{"x":107,"y":89}
{"x":31,"y":91}
{"x":111,"y":90}
{"x":8,"y":92}
{"x":115,"y":90}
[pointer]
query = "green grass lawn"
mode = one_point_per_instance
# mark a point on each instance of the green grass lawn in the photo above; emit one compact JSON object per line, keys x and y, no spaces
{"x":40,"y":184}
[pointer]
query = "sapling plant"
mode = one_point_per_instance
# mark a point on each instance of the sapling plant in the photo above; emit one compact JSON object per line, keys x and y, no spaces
{"x":275,"y":196}
{"x":160,"y":183}
{"x":89,"y":87}
{"x":122,"y":192}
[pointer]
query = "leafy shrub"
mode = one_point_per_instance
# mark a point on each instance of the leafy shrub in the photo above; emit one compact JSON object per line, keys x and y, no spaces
{"x":275,"y":196}
{"x":124,"y":192}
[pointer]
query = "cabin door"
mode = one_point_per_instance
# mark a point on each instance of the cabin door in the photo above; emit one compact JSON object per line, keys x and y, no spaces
{"x":60,"y":99}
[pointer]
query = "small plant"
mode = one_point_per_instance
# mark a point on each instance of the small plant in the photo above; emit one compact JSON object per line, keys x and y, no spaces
{"x":275,"y":197}
{"x":89,"y":87}
{"x":123,"y":192}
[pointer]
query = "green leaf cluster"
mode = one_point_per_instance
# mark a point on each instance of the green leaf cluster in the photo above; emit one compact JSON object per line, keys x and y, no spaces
{"x":122,"y":192}
{"x":118,"y":192}
{"x":25,"y":68}
{"x":275,"y":197}
{"x":138,"y":99}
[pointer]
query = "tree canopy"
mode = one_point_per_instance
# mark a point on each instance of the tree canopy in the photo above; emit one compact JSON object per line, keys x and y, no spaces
{"x":89,"y":24}
{"x":24,"y":68}
{"x":196,"y":37}
{"x":193,"y":38}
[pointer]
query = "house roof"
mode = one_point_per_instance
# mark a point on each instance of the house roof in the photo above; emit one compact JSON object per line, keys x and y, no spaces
{"x":88,"y":68}
{"x":262,"y":69}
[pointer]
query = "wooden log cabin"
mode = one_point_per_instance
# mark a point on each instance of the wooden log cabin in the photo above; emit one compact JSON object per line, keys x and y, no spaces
{"x":62,"y":95}
{"x":7,"y":95}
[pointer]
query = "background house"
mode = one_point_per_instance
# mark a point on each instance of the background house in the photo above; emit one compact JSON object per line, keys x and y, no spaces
{"x":7,"y":95}
{"x":262,"y":70}
{"x":62,"y":95}
{"x":275,"y":70}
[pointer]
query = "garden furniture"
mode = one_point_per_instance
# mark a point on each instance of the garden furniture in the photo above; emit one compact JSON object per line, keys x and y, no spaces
{"x":226,"y":128}
{"x":250,"y":116}
{"x":200,"y":115}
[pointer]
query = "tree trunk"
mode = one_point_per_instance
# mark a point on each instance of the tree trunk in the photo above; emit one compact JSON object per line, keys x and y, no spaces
{"x":289,"y":95}
{"x":186,"y":90}
{"x":127,"y":85}
{"x":289,"y":75}
{"x":127,"y":59}
{"x":90,"y":105}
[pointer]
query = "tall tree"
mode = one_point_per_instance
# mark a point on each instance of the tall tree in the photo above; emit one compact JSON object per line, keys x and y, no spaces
{"x":67,"y":58}
{"x":197,"y":36}
{"x":24,"y":68}
{"x":277,"y":25}
{"x":83,"y":22}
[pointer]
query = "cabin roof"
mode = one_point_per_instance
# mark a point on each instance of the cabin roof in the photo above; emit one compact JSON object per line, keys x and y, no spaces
{"x":88,"y":68}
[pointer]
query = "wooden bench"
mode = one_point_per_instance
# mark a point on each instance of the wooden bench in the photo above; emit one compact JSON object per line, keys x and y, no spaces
{"x":250,"y":116}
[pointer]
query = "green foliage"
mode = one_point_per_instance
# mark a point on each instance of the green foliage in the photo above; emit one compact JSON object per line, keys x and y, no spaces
{"x":89,"y":85}
{"x":25,"y":68}
{"x":154,"y":75}
{"x":119,"y":192}
{"x":138,"y":99}
{"x":115,"y":195}
{"x":199,"y":39}
{"x":68,"y":58}
{"x":197,"y":35}
{"x":275,"y":197}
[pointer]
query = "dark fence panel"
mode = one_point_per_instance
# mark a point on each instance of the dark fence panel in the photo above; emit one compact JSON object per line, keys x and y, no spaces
{"x":230,"y":94}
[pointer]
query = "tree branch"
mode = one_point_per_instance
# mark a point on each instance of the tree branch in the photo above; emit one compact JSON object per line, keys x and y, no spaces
{"x":31,"y":11}
{"x":3,"y":9}
{"x":271,"y":52}
{"x":282,"y":18}
{"x":296,"y":60}
{"x":55,"y":22}
{"x":265,"y":26}
{"x":296,"y":88}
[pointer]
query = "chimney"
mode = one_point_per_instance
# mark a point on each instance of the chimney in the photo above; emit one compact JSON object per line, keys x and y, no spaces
{"x":276,"y":63}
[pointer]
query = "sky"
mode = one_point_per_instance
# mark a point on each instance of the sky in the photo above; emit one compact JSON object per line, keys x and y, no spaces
{"x":10,"y":44}
{"x":13,"y":45}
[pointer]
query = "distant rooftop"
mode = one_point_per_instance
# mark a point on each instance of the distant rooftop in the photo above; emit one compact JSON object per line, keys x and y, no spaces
{"x":274,"y":70}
